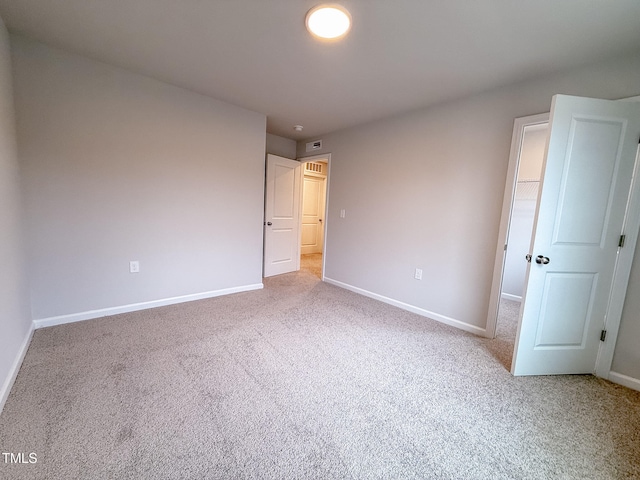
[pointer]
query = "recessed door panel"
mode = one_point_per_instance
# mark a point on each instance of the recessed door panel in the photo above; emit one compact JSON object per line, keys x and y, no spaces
{"x":311,"y":201}
{"x":565,"y":324}
{"x":309,"y":235}
{"x":283,"y":239}
{"x":588,"y":182}
{"x":283,"y":192}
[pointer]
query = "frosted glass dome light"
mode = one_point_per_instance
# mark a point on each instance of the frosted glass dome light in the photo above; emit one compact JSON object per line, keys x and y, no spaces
{"x":328,"y":21}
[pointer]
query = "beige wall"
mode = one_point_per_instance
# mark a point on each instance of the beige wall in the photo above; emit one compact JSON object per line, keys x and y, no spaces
{"x":425,"y":190}
{"x":532,"y":152}
{"x":121,"y":167}
{"x":15,"y":317}
{"x":283,"y":147}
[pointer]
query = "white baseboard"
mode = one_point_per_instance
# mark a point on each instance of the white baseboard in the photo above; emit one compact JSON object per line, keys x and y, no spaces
{"x":624,"y":380}
{"x":91,"y":314}
{"x":513,"y":298}
{"x":15,"y":368}
{"x":411,"y":308}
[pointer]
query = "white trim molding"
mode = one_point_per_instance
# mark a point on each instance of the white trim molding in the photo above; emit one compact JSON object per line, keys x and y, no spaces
{"x":624,"y":380}
{"x":15,"y":368}
{"x":104,"y":312}
{"x":508,"y":296}
{"x":621,"y":274}
{"x":410,"y":308}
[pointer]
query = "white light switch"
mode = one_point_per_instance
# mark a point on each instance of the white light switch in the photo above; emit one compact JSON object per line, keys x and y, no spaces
{"x":418,"y":275}
{"x":134,"y":266}
{"x":343,"y":213}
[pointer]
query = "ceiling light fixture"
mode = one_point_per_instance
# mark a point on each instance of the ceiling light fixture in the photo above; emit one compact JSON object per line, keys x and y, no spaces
{"x":329,"y":22}
{"x":298,"y":128}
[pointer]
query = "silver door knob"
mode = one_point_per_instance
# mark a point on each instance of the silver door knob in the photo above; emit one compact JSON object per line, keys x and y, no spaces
{"x":542,"y":260}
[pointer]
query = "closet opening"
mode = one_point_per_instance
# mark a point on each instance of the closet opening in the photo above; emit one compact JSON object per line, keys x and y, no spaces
{"x":530,"y":137}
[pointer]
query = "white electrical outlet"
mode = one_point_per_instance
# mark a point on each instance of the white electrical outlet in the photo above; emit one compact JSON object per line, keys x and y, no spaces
{"x":134,"y":266}
{"x":418,"y":275}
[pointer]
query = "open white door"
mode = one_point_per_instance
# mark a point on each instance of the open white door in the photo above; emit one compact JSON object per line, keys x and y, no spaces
{"x":588,"y":168}
{"x":282,"y":220}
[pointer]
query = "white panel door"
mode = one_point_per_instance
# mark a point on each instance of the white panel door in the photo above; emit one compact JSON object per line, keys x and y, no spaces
{"x":589,"y":163}
{"x":282,"y":220}
{"x":312,"y":212}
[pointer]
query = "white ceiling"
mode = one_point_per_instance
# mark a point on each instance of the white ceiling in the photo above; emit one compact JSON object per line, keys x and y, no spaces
{"x":400,"y":55}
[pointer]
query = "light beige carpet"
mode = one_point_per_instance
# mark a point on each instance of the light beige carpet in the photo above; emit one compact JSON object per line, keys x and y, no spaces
{"x":312,"y":263}
{"x":506,"y":327}
{"x":302,"y":380}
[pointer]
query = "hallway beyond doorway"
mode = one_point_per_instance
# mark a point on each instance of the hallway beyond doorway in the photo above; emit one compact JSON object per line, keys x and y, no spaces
{"x":312,"y":263}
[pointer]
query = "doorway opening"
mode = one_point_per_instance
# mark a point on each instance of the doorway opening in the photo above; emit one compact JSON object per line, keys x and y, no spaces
{"x":529,"y":142}
{"x":283,"y":218}
{"x":312,"y":214}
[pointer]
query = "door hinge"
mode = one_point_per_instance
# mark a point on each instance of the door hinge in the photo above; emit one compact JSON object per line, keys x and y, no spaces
{"x":603,"y":335}
{"x":505,"y":247}
{"x":622,"y":239}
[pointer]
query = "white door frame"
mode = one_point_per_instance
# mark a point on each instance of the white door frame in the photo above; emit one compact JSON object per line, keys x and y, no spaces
{"x":631,"y":228}
{"x":325,"y":157}
{"x":505,"y":220}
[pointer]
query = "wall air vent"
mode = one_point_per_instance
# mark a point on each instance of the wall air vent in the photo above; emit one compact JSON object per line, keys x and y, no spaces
{"x":311,"y":146}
